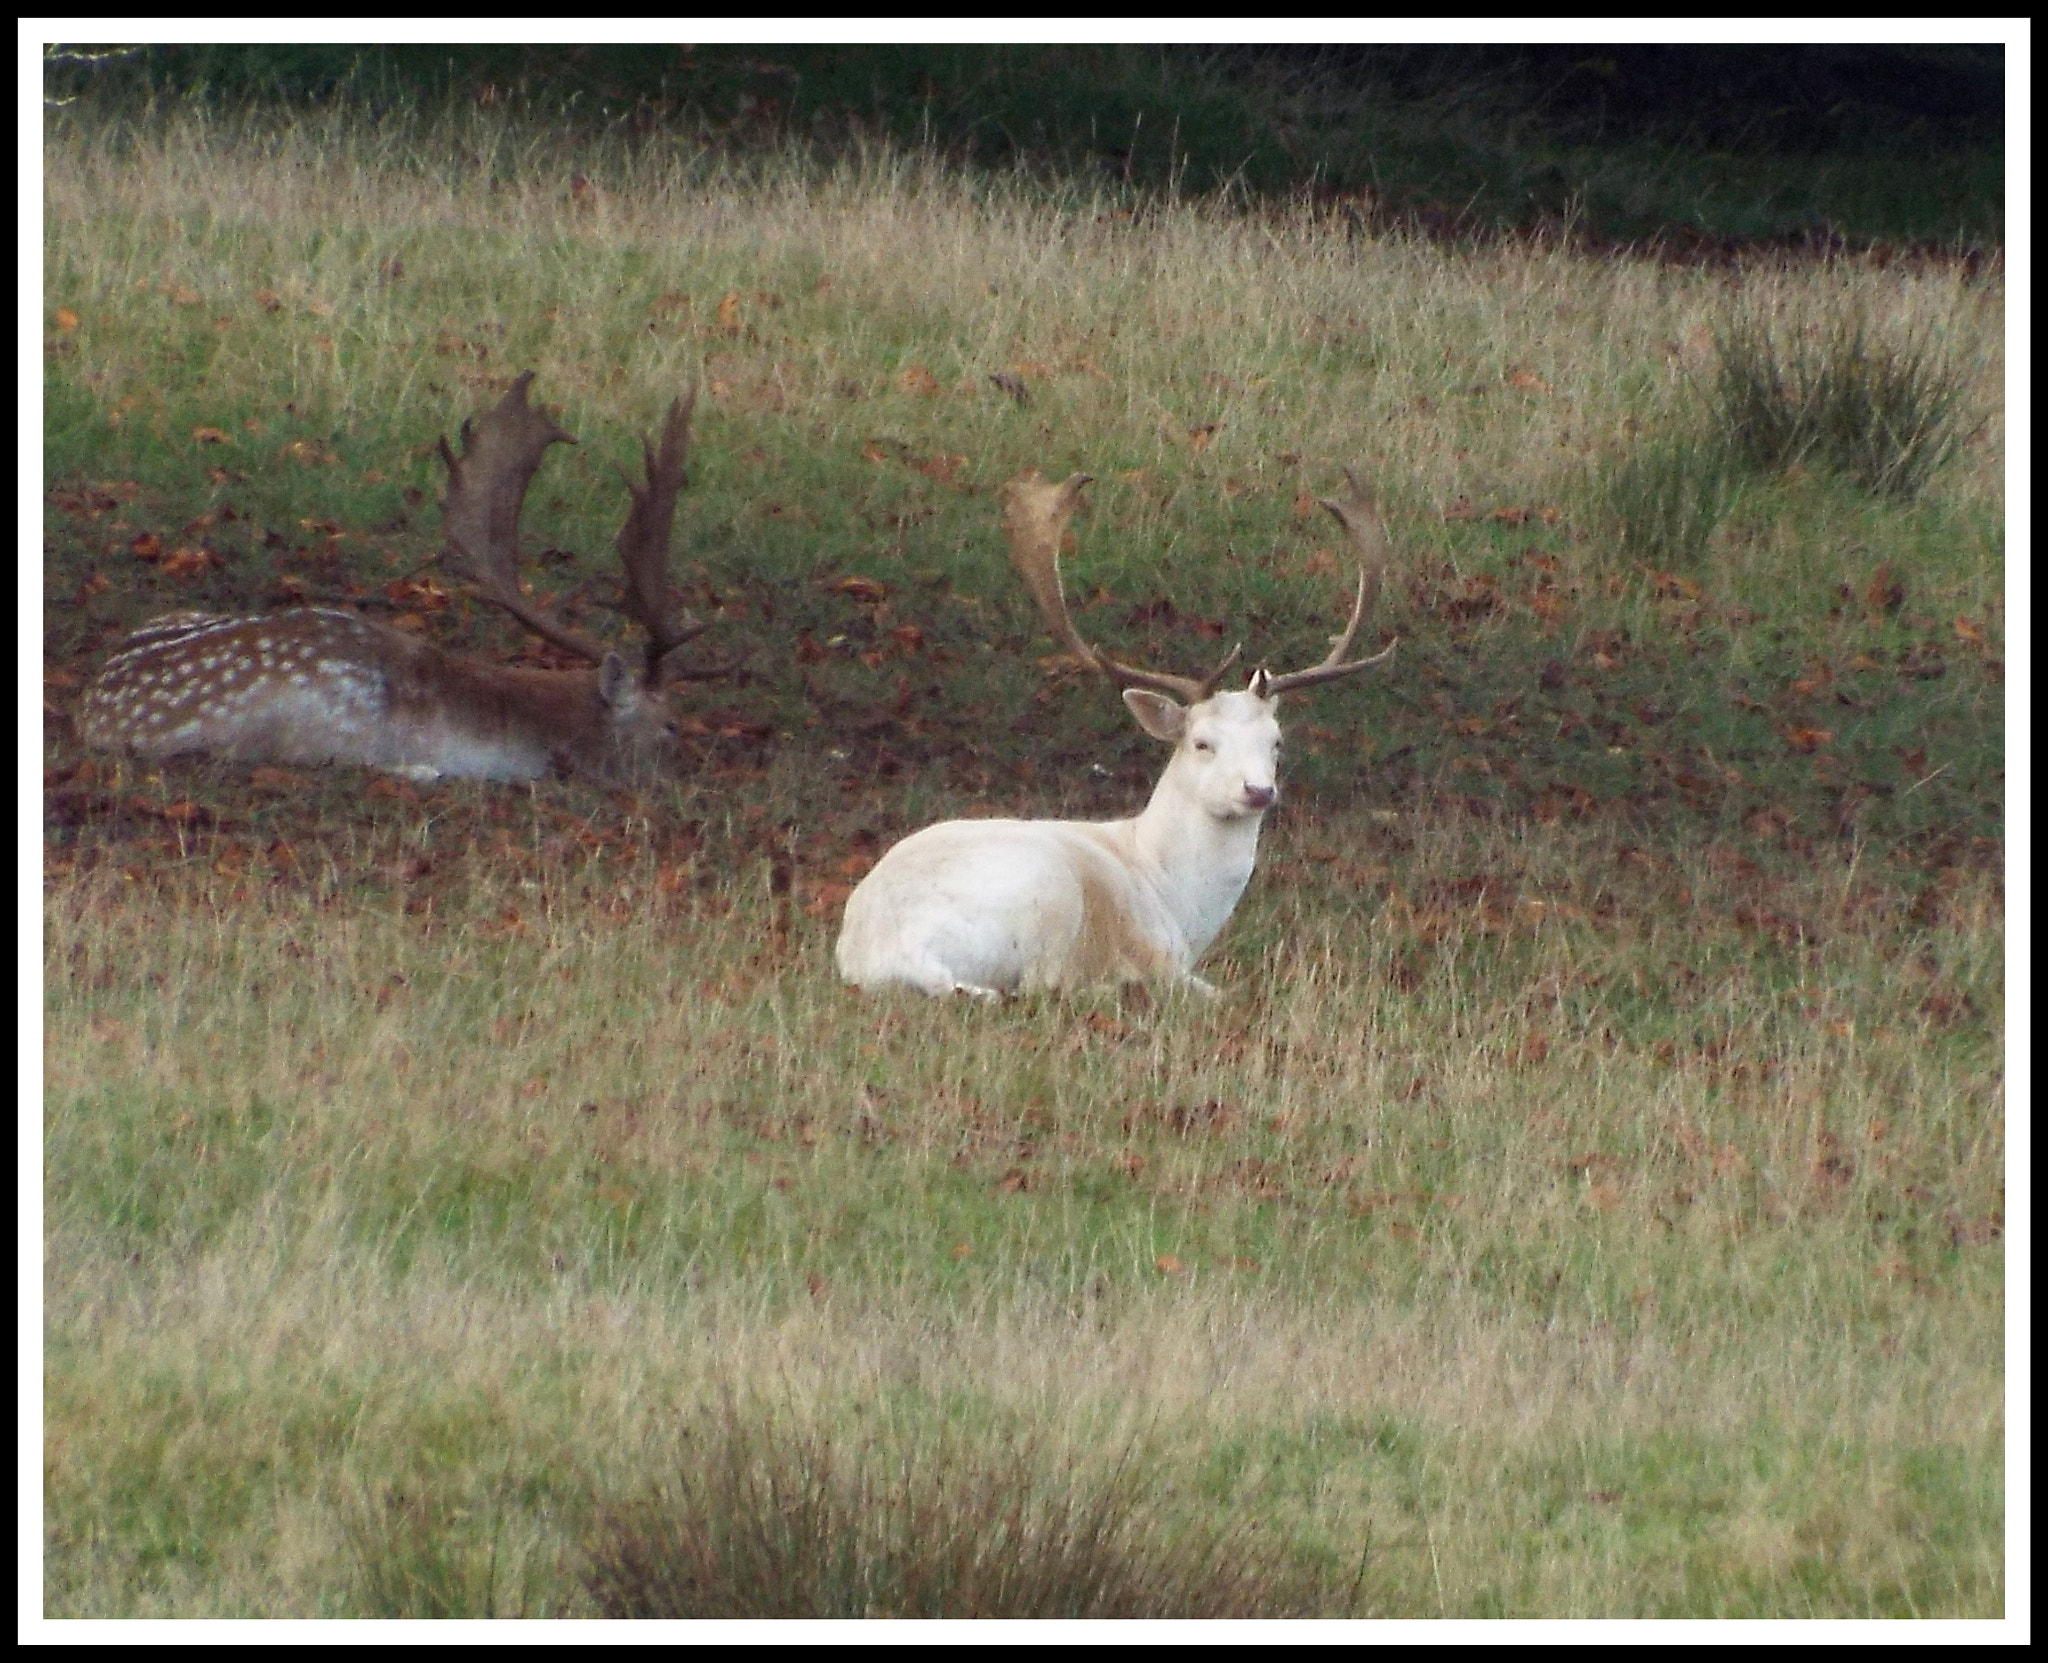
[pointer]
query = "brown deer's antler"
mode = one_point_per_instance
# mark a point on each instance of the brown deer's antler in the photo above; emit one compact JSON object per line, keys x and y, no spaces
{"x":1359,"y":515}
{"x":501,"y":450}
{"x":643,"y":541}
{"x":1035,"y":515}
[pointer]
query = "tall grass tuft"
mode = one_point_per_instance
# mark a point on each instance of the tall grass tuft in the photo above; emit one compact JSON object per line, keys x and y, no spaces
{"x":1837,"y":392}
{"x":1663,"y":501}
{"x":763,"y":1518}
{"x":418,"y":1553}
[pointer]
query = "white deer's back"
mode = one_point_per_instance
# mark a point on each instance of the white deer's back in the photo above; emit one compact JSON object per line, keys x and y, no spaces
{"x":1009,"y":906}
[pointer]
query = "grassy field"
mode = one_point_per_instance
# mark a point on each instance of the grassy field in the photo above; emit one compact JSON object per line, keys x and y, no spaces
{"x":1587,"y":1198}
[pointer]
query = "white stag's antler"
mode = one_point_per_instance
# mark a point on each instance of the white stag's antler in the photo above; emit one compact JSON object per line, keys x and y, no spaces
{"x":1035,"y":516}
{"x":1359,"y":515}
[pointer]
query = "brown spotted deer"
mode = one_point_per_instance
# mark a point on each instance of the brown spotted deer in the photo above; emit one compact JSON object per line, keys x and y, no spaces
{"x":320,"y":685}
{"x":997,"y":906}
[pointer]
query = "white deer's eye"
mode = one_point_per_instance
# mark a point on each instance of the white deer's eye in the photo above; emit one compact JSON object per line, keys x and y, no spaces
{"x":1203,"y":745}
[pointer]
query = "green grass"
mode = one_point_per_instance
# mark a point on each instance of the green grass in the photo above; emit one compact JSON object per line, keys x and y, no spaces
{"x":1587,"y":1200}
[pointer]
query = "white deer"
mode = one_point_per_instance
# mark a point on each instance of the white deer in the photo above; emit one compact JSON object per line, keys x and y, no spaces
{"x":996,"y":906}
{"x":320,"y":685}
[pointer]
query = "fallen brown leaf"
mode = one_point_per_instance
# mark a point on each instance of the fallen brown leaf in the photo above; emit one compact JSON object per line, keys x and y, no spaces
{"x":189,"y":562}
{"x":1884,"y":592}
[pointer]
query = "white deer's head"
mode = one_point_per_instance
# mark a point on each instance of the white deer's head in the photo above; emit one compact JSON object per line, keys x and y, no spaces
{"x":1226,"y":745}
{"x":1226,"y":748}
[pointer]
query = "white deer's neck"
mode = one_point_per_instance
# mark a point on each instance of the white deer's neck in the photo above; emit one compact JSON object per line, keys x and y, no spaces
{"x":1199,"y":865}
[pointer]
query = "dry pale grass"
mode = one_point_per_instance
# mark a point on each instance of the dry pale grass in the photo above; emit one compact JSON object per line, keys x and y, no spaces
{"x":1147,"y":338}
{"x":1422,"y":1231}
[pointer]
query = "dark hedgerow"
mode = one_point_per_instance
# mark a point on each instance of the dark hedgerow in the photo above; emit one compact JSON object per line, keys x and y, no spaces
{"x":764,"y":1519}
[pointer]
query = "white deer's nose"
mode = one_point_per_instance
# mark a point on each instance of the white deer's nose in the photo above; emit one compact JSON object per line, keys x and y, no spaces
{"x":1261,"y":796}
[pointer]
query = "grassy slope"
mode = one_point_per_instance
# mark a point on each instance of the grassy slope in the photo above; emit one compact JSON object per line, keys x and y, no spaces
{"x":1591,"y":1193}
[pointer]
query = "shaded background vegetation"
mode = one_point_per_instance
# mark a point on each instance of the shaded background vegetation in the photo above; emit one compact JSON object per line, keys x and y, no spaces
{"x":1677,"y":143}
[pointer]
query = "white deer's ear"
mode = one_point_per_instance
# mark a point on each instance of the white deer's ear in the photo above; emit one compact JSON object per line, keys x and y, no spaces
{"x":613,"y":681}
{"x":1157,"y":714}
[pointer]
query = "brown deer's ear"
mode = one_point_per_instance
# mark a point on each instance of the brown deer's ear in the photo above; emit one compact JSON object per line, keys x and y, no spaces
{"x":1161,"y":717}
{"x":614,"y":681}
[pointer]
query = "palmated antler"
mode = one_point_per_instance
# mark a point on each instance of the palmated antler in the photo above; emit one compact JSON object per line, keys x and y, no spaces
{"x":643,"y":541}
{"x":1035,"y":515}
{"x":501,"y":450}
{"x":1359,"y":515}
